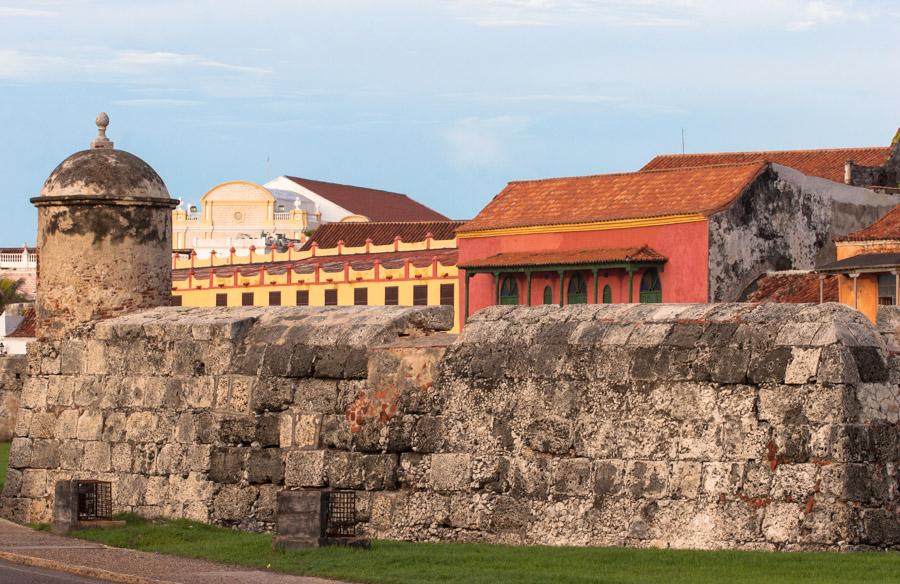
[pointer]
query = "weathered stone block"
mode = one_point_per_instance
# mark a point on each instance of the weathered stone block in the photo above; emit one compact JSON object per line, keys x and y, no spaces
{"x":306,"y":432}
{"x":315,"y":396}
{"x":44,"y":454}
{"x":265,"y":466}
{"x":271,"y":394}
{"x":96,"y":457}
{"x":572,"y":477}
{"x":335,"y":433}
{"x":233,"y":503}
{"x":142,"y":427}
{"x":451,"y":472}
{"x":226,"y":465}
{"x":267,"y":430}
{"x":90,"y":425}
{"x":238,"y":430}
{"x":549,"y":434}
{"x":769,"y":366}
{"x":305,"y":468}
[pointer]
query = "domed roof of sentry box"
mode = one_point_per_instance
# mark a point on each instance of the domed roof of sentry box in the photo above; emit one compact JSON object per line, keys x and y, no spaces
{"x":104,"y":171}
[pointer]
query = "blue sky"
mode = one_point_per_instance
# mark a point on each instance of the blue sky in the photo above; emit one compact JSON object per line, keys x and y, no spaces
{"x":443,"y":100}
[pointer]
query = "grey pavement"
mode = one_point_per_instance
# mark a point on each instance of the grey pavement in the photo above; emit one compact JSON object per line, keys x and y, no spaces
{"x":18,"y":574}
{"x":21,"y":540}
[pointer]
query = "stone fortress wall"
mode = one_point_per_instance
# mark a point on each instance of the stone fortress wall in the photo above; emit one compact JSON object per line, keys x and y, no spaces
{"x":706,"y":426}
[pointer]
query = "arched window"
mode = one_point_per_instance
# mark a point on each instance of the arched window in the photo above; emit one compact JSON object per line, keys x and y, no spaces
{"x":607,"y":294}
{"x":577,"y":291}
{"x":651,"y":288}
{"x":548,"y":294}
{"x":509,"y":291}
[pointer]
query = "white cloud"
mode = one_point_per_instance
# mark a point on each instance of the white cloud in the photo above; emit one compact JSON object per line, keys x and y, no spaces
{"x":481,"y":142}
{"x":105,"y":64}
{"x":20,"y":66}
{"x":9,"y":12}
{"x":785,"y":14}
{"x":819,"y":12}
{"x":168,"y":59}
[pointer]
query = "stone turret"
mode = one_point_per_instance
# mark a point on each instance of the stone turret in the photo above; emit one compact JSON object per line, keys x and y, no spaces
{"x":104,"y":238}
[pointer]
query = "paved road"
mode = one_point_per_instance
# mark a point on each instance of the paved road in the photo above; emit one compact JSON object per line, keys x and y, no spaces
{"x":41,"y":545}
{"x":18,"y":574}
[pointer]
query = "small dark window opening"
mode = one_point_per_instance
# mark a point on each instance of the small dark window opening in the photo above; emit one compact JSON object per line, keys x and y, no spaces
{"x":447,"y":293}
{"x":222,"y":299}
{"x":330,"y":297}
{"x":577,"y":290}
{"x":548,"y":295}
{"x":176,"y":300}
{"x":247,"y":299}
{"x":391,"y":296}
{"x":420,"y":295}
{"x":302,"y":297}
{"x":651,"y":287}
{"x":360,"y":296}
{"x":274,"y":298}
{"x":509,"y":290}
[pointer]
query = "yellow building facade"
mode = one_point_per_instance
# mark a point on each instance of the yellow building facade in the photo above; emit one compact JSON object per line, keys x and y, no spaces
{"x":398,"y":273}
{"x":868,"y":266}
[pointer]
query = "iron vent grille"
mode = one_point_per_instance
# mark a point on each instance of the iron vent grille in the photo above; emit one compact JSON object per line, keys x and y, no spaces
{"x":341,"y":514}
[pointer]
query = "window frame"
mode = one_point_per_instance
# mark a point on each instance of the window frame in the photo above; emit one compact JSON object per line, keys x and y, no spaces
{"x":420,"y":295}
{"x":395,"y":291}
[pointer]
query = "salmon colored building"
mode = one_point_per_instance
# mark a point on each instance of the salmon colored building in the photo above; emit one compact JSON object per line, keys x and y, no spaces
{"x":671,"y":233}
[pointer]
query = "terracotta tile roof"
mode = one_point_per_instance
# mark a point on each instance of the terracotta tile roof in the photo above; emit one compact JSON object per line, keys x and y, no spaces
{"x":888,"y":227}
{"x":381,"y":233}
{"x":26,"y":328}
{"x":793,"y":288}
{"x":567,"y":258}
{"x":330,"y":264}
{"x":607,"y":197}
{"x":822,"y":163}
{"x":375,"y":204}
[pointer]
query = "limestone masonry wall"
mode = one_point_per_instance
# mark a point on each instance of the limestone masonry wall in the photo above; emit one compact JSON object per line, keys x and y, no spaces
{"x":12,"y":377}
{"x":732,"y":425}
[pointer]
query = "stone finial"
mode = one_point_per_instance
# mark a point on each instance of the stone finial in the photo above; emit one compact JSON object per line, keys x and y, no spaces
{"x":297,"y":203}
{"x":101,"y":141}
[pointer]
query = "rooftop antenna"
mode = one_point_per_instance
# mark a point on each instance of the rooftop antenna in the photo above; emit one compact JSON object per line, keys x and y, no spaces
{"x":682,"y":140}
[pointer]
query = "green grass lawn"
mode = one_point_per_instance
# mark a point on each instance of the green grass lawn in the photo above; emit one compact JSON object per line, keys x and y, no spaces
{"x":4,"y":457}
{"x":402,"y":563}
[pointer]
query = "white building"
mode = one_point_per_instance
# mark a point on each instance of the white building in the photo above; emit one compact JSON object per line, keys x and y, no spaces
{"x":239,"y":214}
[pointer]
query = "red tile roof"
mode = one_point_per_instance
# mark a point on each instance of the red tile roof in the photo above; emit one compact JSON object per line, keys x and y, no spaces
{"x":375,"y":204}
{"x":888,"y":227}
{"x":606,"y":197}
{"x":354,"y":234}
{"x":330,"y":264}
{"x":793,"y":288}
{"x":822,"y":163}
{"x":567,"y":258}
{"x":26,"y":328}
